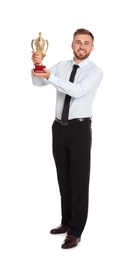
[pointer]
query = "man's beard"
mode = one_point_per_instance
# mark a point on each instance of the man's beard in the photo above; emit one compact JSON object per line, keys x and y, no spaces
{"x":80,"y":56}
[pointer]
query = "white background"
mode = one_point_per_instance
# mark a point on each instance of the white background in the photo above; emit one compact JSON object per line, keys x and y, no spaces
{"x":29,"y":196}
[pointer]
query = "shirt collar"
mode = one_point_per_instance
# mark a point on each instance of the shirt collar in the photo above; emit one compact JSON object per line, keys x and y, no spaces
{"x":82,"y":64}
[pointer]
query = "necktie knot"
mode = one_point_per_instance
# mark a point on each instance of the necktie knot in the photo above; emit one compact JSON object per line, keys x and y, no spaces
{"x":75,"y":66}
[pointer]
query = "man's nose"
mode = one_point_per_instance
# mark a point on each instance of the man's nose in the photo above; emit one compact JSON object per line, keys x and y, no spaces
{"x":81,"y":45}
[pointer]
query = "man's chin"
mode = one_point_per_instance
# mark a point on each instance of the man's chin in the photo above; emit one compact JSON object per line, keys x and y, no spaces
{"x":81,"y":56}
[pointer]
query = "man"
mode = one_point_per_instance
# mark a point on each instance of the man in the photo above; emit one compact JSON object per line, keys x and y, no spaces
{"x":72,"y":136}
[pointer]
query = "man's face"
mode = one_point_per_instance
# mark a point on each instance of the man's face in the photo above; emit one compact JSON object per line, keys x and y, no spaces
{"x":82,"y":46}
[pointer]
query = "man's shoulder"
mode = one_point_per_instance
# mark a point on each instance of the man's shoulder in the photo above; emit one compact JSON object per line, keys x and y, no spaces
{"x":93,"y":70}
{"x":64,"y":64}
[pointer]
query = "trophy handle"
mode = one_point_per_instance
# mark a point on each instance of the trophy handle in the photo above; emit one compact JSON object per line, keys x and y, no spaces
{"x":46,"y":45}
{"x":32,"y":45}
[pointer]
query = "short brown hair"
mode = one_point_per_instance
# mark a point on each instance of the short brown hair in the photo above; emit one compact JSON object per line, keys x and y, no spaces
{"x":83,"y":31}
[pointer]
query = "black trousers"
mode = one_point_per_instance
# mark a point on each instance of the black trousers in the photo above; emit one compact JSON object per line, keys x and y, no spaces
{"x":71,"y":151}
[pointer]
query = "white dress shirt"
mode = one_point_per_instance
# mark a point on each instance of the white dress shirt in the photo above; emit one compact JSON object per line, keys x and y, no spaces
{"x":82,"y":91}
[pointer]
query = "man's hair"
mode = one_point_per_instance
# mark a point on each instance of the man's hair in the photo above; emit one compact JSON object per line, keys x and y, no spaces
{"x":83,"y":31}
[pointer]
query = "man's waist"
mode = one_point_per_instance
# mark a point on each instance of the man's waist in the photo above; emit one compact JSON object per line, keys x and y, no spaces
{"x":70,"y":121}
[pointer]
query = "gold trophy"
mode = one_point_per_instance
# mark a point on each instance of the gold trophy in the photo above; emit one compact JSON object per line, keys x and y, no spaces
{"x":40,"y":46}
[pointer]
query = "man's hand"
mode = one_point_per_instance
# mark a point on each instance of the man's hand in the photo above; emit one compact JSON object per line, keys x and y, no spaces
{"x":36,"y":58}
{"x":46,"y":74}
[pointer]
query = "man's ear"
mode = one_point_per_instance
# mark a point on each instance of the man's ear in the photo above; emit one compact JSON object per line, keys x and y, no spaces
{"x":92,"y":48}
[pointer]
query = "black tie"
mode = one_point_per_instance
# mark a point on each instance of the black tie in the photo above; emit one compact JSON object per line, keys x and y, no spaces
{"x":65,"y":111}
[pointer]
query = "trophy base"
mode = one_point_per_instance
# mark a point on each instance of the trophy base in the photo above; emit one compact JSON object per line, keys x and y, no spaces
{"x":39,"y":68}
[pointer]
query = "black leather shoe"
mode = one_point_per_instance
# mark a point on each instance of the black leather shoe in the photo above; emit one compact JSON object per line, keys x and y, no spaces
{"x":70,"y":241}
{"x":59,"y":230}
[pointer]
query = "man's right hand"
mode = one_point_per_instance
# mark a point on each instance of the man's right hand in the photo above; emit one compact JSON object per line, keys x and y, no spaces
{"x":36,"y":58}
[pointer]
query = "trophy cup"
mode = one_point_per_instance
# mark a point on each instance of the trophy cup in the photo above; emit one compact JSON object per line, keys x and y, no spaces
{"x":40,"y":46}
